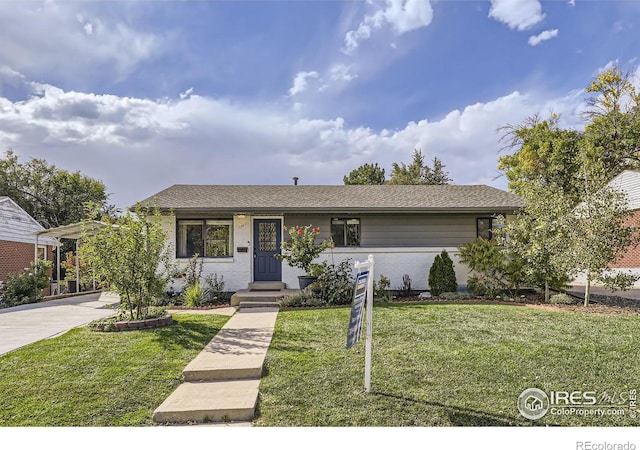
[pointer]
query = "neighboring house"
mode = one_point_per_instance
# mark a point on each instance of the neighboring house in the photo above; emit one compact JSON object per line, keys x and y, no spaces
{"x":238,"y":229}
{"x":17,"y":241}
{"x":629,"y":183}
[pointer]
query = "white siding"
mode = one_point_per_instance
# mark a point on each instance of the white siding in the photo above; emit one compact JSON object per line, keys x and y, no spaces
{"x":18,"y":226}
{"x":629,"y":182}
{"x":236,"y":270}
{"x":393,"y":263}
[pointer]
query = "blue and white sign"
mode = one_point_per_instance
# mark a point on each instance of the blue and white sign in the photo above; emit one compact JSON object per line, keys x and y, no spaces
{"x":357,"y":308}
{"x":363,"y":293}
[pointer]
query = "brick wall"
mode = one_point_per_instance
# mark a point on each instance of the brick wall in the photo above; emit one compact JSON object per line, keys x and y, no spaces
{"x":631,"y":258}
{"x":16,"y":256}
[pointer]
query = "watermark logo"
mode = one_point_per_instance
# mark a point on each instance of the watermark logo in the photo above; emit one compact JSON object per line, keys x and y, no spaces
{"x":533,"y":403}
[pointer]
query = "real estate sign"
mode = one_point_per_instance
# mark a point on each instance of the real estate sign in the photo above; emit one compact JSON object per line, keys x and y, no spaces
{"x":357,"y":308}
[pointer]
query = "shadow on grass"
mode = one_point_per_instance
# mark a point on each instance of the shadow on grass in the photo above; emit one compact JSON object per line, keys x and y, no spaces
{"x":459,"y":416}
{"x":187,"y":334}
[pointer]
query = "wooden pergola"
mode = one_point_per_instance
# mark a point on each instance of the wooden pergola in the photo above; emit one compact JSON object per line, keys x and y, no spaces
{"x":73,"y":231}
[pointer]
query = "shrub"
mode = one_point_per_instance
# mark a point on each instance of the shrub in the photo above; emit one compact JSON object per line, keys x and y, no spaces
{"x":442,"y":277}
{"x":301,"y":299}
{"x":381,"y":290}
{"x":194,"y":295}
{"x":27,"y":286}
{"x":405,"y":289}
{"x":336,"y":283}
{"x":487,"y":264}
{"x":561,"y":299}
{"x":214,"y":289}
{"x":193,"y":271}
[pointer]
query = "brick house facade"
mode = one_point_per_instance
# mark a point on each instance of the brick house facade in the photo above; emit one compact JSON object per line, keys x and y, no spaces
{"x":17,"y":240}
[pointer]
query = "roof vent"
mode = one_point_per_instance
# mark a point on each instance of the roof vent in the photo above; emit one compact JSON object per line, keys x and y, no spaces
{"x":295,"y":181}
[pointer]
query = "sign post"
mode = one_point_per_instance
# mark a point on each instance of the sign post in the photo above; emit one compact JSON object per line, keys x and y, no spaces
{"x":363,"y":292}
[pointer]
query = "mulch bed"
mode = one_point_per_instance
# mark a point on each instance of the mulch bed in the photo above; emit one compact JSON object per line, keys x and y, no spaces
{"x":600,"y":304}
{"x":199,"y":308}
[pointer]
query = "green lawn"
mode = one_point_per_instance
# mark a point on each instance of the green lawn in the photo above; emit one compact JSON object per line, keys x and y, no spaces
{"x":84,"y":378}
{"x":443,"y":365}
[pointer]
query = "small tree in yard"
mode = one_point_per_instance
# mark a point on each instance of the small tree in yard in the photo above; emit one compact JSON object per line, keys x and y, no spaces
{"x":132,"y":257}
{"x":442,"y":277}
{"x":600,"y":230}
{"x":538,"y":235}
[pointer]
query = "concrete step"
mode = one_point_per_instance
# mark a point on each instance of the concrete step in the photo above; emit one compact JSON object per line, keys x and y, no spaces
{"x":259,"y":304}
{"x":267,"y":286}
{"x":217,"y":401}
{"x":256,"y":296}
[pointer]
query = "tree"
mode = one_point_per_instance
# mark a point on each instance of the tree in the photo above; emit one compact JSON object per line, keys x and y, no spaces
{"x":442,"y":277}
{"x":417,"y":172}
{"x":538,"y":235}
{"x":600,"y":230}
{"x":52,"y":196}
{"x":132,"y":256}
{"x":613,"y":131}
{"x":545,"y":155}
{"x":365,"y":174}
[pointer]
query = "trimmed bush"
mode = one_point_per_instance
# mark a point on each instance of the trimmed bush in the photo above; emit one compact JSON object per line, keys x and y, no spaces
{"x":442,"y":277}
{"x":301,"y":299}
{"x":561,"y":299}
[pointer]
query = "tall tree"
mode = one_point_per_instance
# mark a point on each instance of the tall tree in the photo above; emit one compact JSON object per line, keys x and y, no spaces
{"x":613,"y":128}
{"x":50,"y":195}
{"x":545,"y":155}
{"x":417,"y":172}
{"x":365,"y":174}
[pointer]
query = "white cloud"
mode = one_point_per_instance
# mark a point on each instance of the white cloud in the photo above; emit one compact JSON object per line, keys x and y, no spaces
{"x":139,"y":146}
{"x":517,"y":14}
{"x":402,"y":15}
{"x":544,"y":36}
{"x":341,"y":72}
{"x":301,"y":82}
{"x":58,"y":39}
{"x":186,"y":94}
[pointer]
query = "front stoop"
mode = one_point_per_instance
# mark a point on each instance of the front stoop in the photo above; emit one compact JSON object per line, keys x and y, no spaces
{"x":221,"y":383}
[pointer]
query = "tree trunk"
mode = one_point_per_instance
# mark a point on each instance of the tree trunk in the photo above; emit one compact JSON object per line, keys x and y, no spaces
{"x":587,"y":291}
{"x":546,"y":291}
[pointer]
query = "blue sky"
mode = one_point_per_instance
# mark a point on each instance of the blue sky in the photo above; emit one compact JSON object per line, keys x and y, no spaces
{"x":145,"y":94}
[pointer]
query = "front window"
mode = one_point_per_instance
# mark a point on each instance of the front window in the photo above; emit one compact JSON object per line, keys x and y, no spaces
{"x":484,"y":227}
{"x":345,"y":232}
{"x":207,"y":238}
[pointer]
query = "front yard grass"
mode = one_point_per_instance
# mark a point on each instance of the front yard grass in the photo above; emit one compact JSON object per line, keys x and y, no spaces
{"x":445,"y":364}
{"x":83,"y":378}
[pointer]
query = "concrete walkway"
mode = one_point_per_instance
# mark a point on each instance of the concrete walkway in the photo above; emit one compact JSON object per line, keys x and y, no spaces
{"x":25,"y":324}
{"x":221,"y":383}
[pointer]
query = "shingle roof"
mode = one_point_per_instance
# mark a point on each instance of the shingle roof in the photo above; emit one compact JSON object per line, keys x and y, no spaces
{"x":290,"y":198}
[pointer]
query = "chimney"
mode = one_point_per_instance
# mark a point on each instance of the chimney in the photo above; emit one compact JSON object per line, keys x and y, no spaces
{"x":295,"y":181}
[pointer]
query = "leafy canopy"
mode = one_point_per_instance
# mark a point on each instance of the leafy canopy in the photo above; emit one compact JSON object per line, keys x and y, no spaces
{"x":52,"y":196}
{"x":417,"y":172}
{"x":365,"y":174}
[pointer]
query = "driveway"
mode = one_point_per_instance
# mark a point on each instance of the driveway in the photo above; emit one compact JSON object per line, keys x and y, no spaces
{"x":25,"y":324}
{"x":633,"y":294}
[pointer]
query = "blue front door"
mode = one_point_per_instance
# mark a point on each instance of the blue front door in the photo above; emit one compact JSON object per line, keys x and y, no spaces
{"x":266,"y":244}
